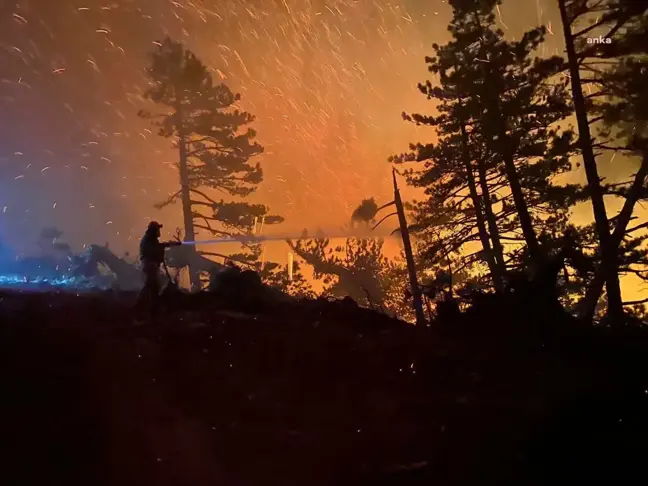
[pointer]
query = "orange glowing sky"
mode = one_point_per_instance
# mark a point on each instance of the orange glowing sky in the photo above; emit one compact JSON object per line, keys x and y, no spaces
{"x":327,"y":80}
{"x":328,"y":85}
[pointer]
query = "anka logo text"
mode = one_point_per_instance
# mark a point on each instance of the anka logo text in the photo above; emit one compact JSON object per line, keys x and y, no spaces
{"x":599,"y":40}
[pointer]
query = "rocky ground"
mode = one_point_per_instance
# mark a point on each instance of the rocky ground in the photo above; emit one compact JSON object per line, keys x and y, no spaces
{"x":311,"y":395}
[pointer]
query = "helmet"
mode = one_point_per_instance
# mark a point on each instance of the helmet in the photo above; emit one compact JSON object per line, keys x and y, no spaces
{"x":154,"y":225}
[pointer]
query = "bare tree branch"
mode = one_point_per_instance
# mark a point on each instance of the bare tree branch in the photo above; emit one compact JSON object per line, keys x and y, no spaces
{"x":169,"y":200}
{"x":379,"y":222}
{"x":201,"y":193}
{"x":637,"y":228}
{"x":601,"y":22}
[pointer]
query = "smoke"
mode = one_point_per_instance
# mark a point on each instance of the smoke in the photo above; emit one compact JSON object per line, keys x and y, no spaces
{"x":327,"y":82}
{"x":6,"y":253}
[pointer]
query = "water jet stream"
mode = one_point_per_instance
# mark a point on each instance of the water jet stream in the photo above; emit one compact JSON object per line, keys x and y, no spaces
{"x":260,"y":239}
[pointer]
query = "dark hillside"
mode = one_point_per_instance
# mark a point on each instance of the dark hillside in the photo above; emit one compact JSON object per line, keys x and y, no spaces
{"x":318,"y":395}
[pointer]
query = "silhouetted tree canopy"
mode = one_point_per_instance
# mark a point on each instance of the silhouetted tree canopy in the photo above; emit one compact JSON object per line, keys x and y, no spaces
{"x":215,"y":143}
{"x":358,"y":269}
{"x":366,"y":212}
{"x":613,"y":106}
{"x":492,"y":201}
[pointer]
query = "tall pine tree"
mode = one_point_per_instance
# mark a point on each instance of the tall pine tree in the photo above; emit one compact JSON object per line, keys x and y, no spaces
{"x":215,"y":145}
{"x":613,"y":74}
{"x":490,"y":178}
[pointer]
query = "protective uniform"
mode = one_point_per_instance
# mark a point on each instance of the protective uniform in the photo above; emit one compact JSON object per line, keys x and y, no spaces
{"x":151,"y":257}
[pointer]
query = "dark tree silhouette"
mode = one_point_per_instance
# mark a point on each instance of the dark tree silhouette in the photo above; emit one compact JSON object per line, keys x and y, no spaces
{"x":365,"y":213}
{"x":490,"y":178}
{"x":368,"y":211}
{"x":215,"y":149}
{"x":357,"y":269}
{"x":613,"y":73}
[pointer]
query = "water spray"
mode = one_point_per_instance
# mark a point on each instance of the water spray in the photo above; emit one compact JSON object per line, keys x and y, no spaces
{"x":260,"y":239}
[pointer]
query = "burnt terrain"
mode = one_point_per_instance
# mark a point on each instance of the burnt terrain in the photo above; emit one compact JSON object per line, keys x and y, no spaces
{"x":314,"y":394}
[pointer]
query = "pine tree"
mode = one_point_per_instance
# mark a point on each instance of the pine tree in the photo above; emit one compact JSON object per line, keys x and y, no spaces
{"x":357,"y":269}
{"x":516,"y":109}
{"x":613,"y":73}
{"x":490,"y":178}
{"x":444,"y":223}
{"x":215,"y":148}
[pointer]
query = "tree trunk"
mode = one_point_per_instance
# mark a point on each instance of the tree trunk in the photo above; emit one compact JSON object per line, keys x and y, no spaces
{"x":505,"y":151}
{"x":494,"y":268}
{"x":526,"y":224}
{"x":187,"y":213}
{"x":409,"y":256}
{"x":593,"y":293}
{"x":609,"y":264}
{"x":490,"y":218}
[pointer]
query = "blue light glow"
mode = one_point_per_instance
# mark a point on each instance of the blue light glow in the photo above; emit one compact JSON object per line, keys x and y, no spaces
{"x":17,"y":281}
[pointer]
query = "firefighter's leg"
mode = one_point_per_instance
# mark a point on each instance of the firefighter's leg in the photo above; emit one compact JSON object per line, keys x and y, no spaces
{"x":145,"y":300}
{"x":143,"y":297}
{"x":154,"y":285}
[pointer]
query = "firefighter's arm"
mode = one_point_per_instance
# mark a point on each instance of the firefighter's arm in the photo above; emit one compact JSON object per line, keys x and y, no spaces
{"x":168,"y":244}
